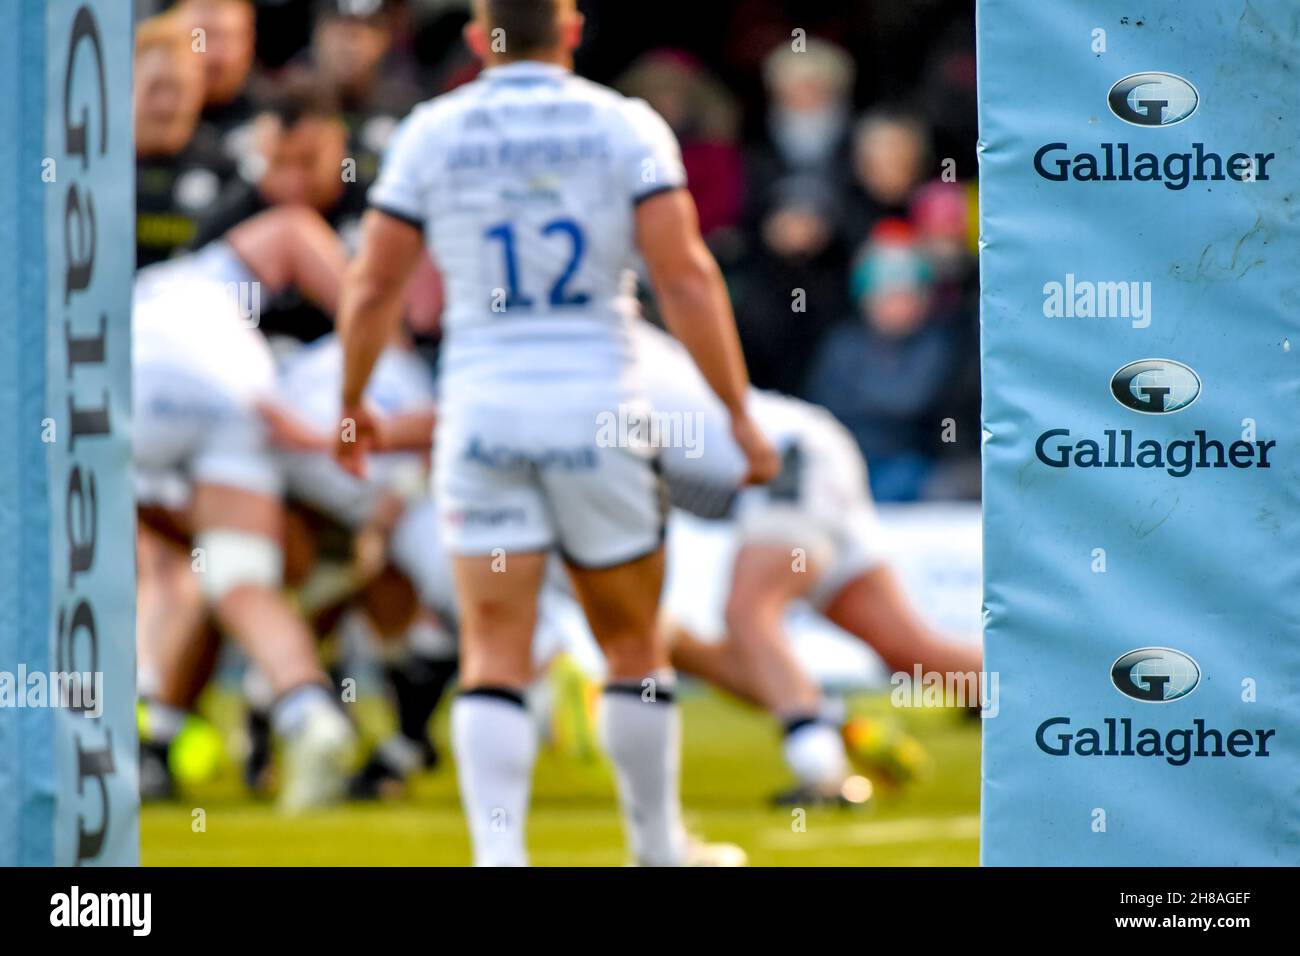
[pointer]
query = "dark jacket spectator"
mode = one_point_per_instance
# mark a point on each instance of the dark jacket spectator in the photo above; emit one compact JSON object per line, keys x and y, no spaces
{"x":792,"y":286}
{"x":884,"y":373}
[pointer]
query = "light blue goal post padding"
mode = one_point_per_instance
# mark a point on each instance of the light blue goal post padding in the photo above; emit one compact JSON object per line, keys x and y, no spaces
{"x":1140,"y":269}
{"x":68,"y":793}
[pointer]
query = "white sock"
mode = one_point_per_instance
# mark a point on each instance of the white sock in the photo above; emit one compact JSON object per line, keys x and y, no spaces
{"x":495,"y":742}
{"x":162,"y":722}
{"x":643,"y":738}
{"x":814,"y":752}
{"x":295,"y":708}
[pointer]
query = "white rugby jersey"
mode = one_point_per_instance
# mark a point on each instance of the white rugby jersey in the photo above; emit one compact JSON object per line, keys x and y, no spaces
{"x":311,"y":380}
{"x":186,"y":316}
{"x":703,"y":465}
{"x":525,"y":182}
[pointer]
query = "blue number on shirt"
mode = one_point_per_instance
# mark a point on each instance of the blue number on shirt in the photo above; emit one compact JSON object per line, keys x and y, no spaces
{"x":506,"y":233}
{"x":574,"y":232}
{"x":559,"y":296}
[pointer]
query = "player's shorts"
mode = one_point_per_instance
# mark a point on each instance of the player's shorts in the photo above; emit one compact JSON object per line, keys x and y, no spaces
{"x":520,"y":479}
{"x":198,"y":370}
{"x":189,"y":430}
{"x":819,"y":503}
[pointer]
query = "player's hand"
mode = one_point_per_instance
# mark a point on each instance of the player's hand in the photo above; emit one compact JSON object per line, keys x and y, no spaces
{"x":356,"y":438}
{"x":761,"y":457}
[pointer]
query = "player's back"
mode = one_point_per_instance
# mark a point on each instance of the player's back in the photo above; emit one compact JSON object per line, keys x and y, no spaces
{"x":186,"y":316}
{"x":525,"y":182}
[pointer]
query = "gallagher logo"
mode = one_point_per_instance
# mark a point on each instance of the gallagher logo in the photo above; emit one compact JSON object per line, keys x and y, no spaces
{"x":1155,"y":386}
{"x":1153,"y":99}
{"x":1155,"y":675}
{"x":1152,"y":387}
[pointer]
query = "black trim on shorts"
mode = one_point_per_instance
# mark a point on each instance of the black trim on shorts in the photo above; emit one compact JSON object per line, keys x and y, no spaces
{"x":410,"y":220}
{"x":660,"y":696}
{"x":506,"y":694}
{"x":658,"y":190}
{"x":583,"y":566}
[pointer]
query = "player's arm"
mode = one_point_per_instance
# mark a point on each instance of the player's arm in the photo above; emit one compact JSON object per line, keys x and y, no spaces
{"x":292,"y":246}
{"x":694,"y":303}
{"x":370,"y":308}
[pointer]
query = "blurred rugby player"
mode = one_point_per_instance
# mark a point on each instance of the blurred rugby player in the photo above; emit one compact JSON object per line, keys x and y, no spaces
{"x":534,"y":189}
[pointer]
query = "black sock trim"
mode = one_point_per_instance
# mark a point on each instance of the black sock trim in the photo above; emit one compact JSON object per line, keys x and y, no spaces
{"x":662,"y":695}
{"x":507,"y":694}
{"x":799,"y":723}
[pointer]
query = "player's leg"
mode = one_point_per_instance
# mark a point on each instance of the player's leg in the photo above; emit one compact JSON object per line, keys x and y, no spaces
{"x":173,"y":644}
{"x":169,"y":617}
{"x":237,"y":532}
{"x":710,"y":661}
{"x":493,"y":522}
{"x":432,"y":653}
{"x":641,"y":723}
{"x":610,"y":518}
{"x":873,"y":607}
{"x":492,"y":733}
{"x":766,"y":578}
{"x":419,"y":657}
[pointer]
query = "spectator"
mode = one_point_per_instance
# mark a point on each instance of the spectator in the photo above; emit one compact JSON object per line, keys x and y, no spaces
{"x":224,"y":33}
{"x":705,"y":118}
{"x":891,"y":155}
{"x":348,"y":55}
{"x":793,"y":284}
{"x":940,"y":214}
{"x":176,"y":179}
{"x":807,"y":121}
{"x":299,"y":147}
{"x":298,"y":154}
{"x":884,"y":375}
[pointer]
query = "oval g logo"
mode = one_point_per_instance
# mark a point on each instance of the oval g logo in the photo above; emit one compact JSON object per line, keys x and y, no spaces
{"x":1155,"y":675}
{"x":1153,"y":99}
{"x":1155,"y":386}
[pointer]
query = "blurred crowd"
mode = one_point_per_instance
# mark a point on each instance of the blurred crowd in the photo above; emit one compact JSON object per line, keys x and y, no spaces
{"x":829,"y":146}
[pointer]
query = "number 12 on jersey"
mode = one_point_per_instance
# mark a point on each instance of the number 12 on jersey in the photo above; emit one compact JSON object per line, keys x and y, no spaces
{"x":559,"y":296}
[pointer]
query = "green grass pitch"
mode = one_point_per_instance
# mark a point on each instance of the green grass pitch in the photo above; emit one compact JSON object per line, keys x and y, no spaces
{"x":731,"y":767}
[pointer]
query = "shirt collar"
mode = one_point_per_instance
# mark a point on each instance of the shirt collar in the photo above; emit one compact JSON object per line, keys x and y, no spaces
{"x":525,"y":71}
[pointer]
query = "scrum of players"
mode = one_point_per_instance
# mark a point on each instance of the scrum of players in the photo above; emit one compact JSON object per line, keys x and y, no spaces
{"x":446,"y":515}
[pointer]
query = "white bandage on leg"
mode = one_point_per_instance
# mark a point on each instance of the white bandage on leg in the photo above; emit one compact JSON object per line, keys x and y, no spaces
{"x":230,"y":559}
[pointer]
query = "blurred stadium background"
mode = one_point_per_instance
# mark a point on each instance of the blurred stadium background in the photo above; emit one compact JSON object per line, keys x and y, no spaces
{"x":836,"y":188}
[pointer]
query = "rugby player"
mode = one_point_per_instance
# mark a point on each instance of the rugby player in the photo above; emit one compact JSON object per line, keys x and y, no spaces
{"x":381,"y":584}
{"x":206,"y":477}
{"x":534,"y":189}
{"x":810,"y":534}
